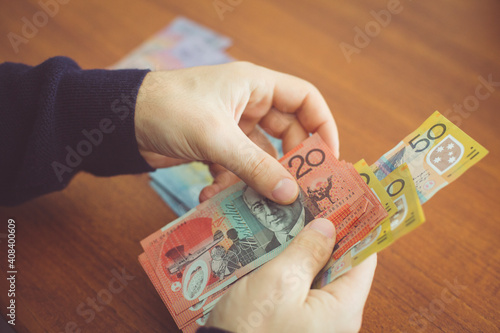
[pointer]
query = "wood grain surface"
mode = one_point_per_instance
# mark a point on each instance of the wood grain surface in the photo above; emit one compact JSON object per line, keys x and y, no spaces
{"x":429,"y":56}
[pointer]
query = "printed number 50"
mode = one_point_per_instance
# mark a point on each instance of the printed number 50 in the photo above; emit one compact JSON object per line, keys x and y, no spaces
{"x":425,"y":141}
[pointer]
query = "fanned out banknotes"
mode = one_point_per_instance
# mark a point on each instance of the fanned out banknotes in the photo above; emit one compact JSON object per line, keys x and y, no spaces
{"x":195,"y":259}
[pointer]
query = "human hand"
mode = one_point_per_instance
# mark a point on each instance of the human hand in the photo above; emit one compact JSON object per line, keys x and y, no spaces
{"x":277,"y":297}
{"x":208,"y":114}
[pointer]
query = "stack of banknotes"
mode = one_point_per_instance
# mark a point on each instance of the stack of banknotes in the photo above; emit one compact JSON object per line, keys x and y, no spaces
{"x":183,"y":43}
{"x":195,"y":259}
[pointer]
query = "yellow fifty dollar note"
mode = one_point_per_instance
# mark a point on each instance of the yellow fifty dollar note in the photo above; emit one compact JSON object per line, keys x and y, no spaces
{"x":407,"y":214}
{"x":377,"y":240}
{"x":374,"y":184}
{"x":381,"y":236}
{"x":333,"y":271}
{"x":437,"y":153}
{"x":398,"y":185}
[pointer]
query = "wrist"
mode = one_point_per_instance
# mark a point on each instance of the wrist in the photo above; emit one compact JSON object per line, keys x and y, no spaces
{"x":141,"y":107}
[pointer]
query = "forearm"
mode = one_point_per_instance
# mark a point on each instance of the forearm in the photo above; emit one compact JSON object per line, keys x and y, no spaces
{"x":58,"y":119}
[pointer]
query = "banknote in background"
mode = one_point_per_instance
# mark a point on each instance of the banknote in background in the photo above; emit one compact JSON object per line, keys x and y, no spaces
{"x":400,"y":187}
{"x":182,"y":44}
{"x":182,"y":183}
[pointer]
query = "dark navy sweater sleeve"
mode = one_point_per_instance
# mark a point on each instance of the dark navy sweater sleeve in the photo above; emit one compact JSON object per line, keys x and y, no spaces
{"x":57,"y":119}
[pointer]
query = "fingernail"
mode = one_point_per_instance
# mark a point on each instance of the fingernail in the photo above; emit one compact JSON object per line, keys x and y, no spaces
{"x":285,"y":191}
{"x":324,"y":227}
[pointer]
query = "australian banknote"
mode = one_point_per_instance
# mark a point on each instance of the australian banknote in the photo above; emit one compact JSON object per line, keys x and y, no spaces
{"x":437,"y":153}
{"x":238,"y":230}
{"x":405,"y":215}
{"x":196,"y":258}
{"x":433,"y":155}
{"x":183,"y":43}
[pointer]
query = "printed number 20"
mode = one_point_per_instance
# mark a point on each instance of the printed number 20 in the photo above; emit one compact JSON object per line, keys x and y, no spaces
{"x":430,"y":136}
{"x":301,"y":173}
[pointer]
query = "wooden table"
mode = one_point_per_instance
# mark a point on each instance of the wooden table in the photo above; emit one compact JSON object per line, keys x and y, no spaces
{"x":429,"y":55}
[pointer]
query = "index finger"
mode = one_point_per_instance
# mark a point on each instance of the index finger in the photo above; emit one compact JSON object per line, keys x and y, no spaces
{"x":294,"y":95}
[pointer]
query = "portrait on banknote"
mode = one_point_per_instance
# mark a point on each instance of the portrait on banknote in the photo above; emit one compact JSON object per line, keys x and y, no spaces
{"x":275,"y":224}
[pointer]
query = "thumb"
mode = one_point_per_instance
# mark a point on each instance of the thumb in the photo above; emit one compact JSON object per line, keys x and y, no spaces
{"x":306,"y":255}
{"x":257,"y":168}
